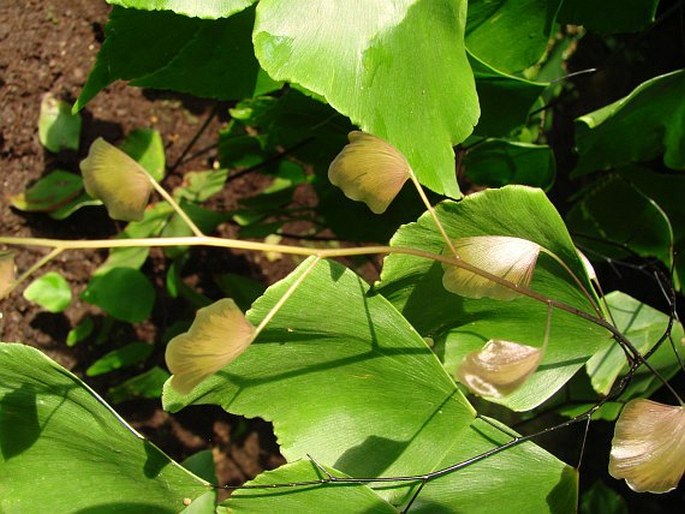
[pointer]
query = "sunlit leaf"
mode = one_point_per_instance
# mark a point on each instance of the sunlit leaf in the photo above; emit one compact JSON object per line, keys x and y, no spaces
{"x":58,"y":128}
{"x":509,"y":258}
{"x":204,"y":9}
{"x":145,"y":146}
{"x":123,"y":293}
{"x":643,"y":326}
{"x":55,"y":431}
{"x":219,"y":334}
{"x":373,"y":63}
{"x":7,"y":271}
{"x":123,"y":357}
{"x":639,"y":127}
{"x":51,"y":192}
{"x":350,"y":374}
{"x":199,"y":186}
{"x":370,"y":170}
{"x":51,"y":291}
{"x":461,"y":325}
{"x":648,"y":448}
{"x":499,"y":368}
{"x":202,"y":465}
{"x":120,"y":182}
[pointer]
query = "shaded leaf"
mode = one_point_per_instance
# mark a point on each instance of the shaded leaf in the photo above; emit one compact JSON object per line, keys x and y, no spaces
{"x":115,"y":178}
{"x":80,"y":332}
{"x":66,"y":210}
{"x":498,"y":162}
{"x":160,"y":49}
{"x":505,"y":99}
{"x":204,"y":9}
{"x":613,"y":214}
{"x":510,"y":35}
{"x":127,"y":355}
{"x":202,"y":465}
{"x":123,"y":293}
{"x":614,"y":16}
{"x":146,"y":385}
{"x":381,"y":71}
{"x":315,"y":133}
{"x":600,"y":498}
{"x":51,"y":192}
{"x":666,"y":190}
{"x":51,"y":291}
{"x":199,"y":186}
{"x":639,"y":127}
{"x":58,"y":128}
{"x":243,"y":290}
{"x":55,"y":431}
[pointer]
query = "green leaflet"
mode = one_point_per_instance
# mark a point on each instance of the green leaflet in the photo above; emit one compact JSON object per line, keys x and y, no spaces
{"x":639,"y":127}
{"x":461,"y":325}
{"x":362,"y":393}
{"x":613,"y":213}
{"x":510,"y":35}
{"x":57,"y":434}
{"x":210,"y":9}
{"x":50,"y":193}
{"x":637,"y":207}
{"x":145,"y":146}
{"x":498,"y":162}
{"x":643,"y":326}
{"x":51,"y":291}
{"x":371,"y":61}
{"x":123,"y":293}
{"x":505,"y":99}
{"x":58,"y":128}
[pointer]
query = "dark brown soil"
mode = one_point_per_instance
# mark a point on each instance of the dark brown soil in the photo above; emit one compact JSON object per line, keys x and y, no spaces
{"x":50,"y":47}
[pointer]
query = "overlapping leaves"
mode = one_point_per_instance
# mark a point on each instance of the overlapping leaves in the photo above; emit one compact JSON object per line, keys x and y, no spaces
{"x":371,"y":398}
{"x":461,"y":325}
